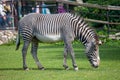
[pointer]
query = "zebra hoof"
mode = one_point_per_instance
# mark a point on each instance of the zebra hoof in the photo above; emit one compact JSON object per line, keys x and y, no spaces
{"x":76,"y":69}
{"x":26,"y":69}
{"x":66,"y":67}
{"x":42,"y":68}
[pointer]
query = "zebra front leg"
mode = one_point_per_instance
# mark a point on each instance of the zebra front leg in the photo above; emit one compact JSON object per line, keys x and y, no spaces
{"x":24,"y":53}
{"x":65,"y":59}
{"x":34,"y":54}
{"x":68,"y":37}
{"x":70,"y":50}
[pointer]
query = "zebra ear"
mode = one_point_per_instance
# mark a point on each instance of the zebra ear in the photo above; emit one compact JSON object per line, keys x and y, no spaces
{"x":100,"y":42}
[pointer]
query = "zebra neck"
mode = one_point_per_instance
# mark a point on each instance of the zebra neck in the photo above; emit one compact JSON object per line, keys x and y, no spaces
{"x":85,"y":35}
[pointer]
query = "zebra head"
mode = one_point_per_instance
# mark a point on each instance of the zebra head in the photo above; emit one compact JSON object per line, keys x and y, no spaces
{"x":92,"y":53}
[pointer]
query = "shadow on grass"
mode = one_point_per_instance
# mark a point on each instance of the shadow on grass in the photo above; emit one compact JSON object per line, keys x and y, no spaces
{"x":46,"y":69}
{"x":4,"y":69}
{"x":17,"y":69}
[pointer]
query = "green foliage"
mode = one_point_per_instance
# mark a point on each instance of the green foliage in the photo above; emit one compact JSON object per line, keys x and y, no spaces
{"x":111,"y":42}
{"x":104,"y":2}
{"x":100,"y":14}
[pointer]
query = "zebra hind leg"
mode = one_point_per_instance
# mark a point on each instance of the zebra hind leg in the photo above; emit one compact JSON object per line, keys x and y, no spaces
{"x":65,"y":59}
{"x":24,"y":53}
{"x":34,"y":48}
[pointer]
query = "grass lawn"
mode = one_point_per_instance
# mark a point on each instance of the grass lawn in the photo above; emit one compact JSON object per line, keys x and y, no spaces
{"x":51,"y":56}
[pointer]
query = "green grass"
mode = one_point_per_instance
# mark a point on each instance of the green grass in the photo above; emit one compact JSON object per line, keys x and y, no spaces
{"x":51,"y":56}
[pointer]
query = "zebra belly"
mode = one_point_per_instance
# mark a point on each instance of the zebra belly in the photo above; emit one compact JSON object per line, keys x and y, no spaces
{"x":48,"y":38}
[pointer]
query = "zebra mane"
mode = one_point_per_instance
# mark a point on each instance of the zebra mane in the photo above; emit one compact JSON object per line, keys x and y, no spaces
{"x":95,"y":35}
{"x":79,"y":17}
{"x":76,"y":14}
{"x":97,"y":39}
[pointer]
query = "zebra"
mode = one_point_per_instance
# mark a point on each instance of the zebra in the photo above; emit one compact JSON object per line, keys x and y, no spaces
{"x":66,"y":27}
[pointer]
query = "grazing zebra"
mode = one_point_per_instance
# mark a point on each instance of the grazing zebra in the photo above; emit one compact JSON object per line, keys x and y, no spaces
{"x":36,"y":28}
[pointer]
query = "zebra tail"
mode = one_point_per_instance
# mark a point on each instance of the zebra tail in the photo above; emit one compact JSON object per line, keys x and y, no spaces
{"x":18,"y":41}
